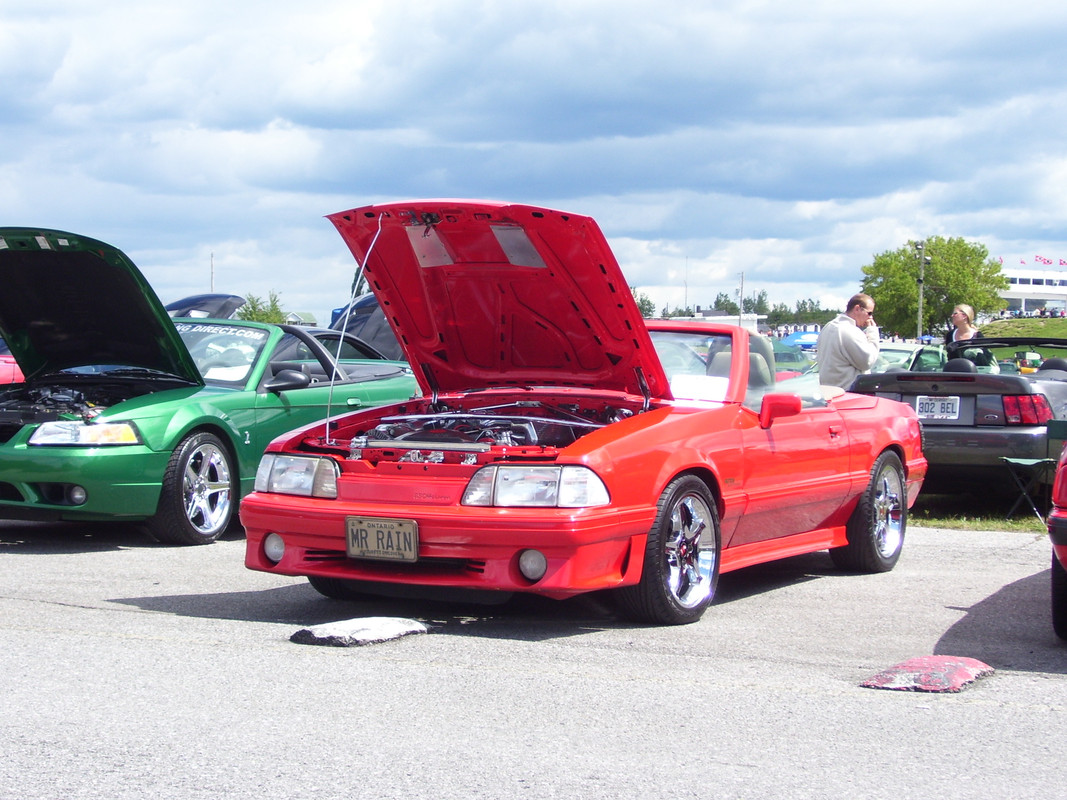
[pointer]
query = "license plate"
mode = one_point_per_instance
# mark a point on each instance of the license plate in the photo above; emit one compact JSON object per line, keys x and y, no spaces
{"x":938,"y":407}
{"x":382,"y":539}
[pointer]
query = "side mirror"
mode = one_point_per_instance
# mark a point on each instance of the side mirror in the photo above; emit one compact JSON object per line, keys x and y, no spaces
{"x":778,"y":405}
{"x":287,"y":379}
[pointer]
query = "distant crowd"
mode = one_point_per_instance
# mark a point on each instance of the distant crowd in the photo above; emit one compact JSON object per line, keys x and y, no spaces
{"x":1037,"y":312}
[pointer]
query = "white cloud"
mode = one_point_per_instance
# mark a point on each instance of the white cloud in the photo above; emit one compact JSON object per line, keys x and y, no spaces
{"x":788,"y":142}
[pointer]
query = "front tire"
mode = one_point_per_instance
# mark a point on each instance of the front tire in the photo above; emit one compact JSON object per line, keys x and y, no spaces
{"x":336,"y":588}
{"x":199,"y":493}
{"x":681,"y":560}
{"x":1059,"y":598}
{"x":876,"y":528}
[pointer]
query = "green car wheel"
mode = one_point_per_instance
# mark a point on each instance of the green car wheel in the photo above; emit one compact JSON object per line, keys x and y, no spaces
{"x":197,"y":500}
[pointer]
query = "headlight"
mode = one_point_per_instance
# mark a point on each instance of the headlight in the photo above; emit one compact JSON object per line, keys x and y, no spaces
{"x":524,"y":486}
{"x":76,"y":432}
{"x":310,"y":477}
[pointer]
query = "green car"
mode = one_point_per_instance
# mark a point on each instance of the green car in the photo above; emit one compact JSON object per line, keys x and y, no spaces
{"x":126,"y":414}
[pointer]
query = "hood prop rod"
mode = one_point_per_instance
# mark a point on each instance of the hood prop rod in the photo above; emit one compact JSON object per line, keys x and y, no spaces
{"x":344,"y":326}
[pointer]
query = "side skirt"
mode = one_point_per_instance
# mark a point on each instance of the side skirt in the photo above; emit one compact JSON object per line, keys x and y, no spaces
{"x":746,"y":555}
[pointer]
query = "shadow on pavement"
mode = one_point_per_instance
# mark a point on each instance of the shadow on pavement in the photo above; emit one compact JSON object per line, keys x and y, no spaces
{"x":743,"y":583}
{"x":521,"y":617}
{"x":1010,"y":630}
{"x":524,"y":617}
{"x":46,"y":538}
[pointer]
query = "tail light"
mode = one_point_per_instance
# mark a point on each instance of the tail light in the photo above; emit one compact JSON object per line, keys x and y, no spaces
{"x":1026,"y":409}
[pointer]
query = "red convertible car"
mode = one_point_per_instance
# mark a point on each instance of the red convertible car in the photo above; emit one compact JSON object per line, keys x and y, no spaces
{"x":562,"y":443}
{"x":1057,"y":531}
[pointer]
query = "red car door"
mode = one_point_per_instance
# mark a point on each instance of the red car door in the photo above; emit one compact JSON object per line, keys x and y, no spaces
{"x":796,"y":474}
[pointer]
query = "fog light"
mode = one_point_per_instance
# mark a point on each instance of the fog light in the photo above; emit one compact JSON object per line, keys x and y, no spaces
{"x":273,"y":547}
{"x":76,"y":495}
{"x":533,"y":564}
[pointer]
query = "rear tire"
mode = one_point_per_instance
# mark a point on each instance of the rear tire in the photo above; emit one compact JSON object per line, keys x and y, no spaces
{"x":681,"y":560}
{"x":875,"y":530}
{"x":1059,"y":598}
{"x":198,"y":497}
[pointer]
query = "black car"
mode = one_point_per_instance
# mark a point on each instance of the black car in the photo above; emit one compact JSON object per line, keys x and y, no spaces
{"x":363,"y":318}
{"x":992,"y":400}
{"x":212,"y":306}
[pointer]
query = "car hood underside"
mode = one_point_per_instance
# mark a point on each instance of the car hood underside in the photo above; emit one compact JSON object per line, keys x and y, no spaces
{"x":69,"y":301}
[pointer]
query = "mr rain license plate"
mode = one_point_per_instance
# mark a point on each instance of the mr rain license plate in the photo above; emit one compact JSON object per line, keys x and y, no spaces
{"x":937,"y":407}
{"x":382,"y":539}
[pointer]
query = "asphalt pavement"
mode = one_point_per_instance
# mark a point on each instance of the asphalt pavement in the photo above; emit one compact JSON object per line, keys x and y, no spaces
{"x":132,"y":670}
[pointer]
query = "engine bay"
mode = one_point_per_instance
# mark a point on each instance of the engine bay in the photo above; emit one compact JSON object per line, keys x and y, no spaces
{"x":82,"y":397}
{"x":443,"y":429}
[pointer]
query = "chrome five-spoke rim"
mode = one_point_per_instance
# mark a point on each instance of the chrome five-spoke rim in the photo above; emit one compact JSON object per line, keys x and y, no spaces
{"x":206,"y":489}
{"x":888,"y":512}
{"x":690,"y":551}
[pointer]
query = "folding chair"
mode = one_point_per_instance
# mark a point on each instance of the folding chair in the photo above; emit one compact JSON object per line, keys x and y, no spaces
{"x":1032,"y":475}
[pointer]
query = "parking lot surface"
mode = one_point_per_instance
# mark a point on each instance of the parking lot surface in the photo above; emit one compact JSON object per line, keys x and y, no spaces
{"x":132,"y":670}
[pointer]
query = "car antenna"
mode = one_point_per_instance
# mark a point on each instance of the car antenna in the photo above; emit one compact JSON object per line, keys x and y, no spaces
{"x":344,"y":326}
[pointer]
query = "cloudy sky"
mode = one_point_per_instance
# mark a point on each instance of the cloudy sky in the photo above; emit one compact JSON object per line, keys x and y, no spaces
{"x":786,"y":142}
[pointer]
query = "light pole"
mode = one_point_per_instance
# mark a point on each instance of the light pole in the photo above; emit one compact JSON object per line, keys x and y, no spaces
{"x":741,"y":299}
{"x":924,"y":259}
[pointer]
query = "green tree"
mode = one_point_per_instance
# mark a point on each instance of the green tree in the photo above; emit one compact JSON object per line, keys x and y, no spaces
{"x":256,"y":309}
{"x":644,"y":303}
{"x":810,"y":311}
{"x":724,"y":303}
{"x":780,"y":314}
{"x":955,"y":271}
{"x":756,"y":304}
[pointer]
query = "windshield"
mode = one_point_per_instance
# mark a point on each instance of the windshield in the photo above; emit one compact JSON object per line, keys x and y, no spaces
{"x":915,"y":358}
{"x":697,"y":364}
{"x":224,"y":354}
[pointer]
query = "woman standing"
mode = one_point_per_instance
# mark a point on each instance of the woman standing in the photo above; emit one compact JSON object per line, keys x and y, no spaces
{"x":963,"y":325}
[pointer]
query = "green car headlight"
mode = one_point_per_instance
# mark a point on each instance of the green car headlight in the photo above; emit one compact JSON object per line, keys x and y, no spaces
{"x":78,"y":433}
{"x":305,"y":476}
{"x":527,"y":486}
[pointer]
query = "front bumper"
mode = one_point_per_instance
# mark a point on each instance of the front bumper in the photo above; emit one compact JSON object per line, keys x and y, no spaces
{"x":475,"y":548}
{"x":1057,"y":532}
{"x":121,"y":481}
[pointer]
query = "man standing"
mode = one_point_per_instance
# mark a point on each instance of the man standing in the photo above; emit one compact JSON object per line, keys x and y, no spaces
{"x":848,"y":344}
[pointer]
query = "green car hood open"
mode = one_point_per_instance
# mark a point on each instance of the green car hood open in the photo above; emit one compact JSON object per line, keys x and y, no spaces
{"x":71,"y":301}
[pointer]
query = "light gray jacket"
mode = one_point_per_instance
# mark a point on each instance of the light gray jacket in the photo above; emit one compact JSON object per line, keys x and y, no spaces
{"x":845,"y":350}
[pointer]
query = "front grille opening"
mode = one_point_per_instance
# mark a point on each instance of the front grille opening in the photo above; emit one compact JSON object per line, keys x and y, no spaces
{"x":424,"y":566}
{"x":11,"y":493}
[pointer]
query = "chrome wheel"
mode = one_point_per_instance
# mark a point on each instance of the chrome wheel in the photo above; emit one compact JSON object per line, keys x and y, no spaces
{"x":206,"y":489}
{"x":197,"y":499}
{"x":690,"y":565}
{"x":875,"y":531}
{"x":680,"y":569}
{"x":888,"y":511}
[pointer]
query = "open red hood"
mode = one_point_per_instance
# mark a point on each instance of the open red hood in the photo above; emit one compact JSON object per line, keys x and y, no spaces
{"x":484,"y":294}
